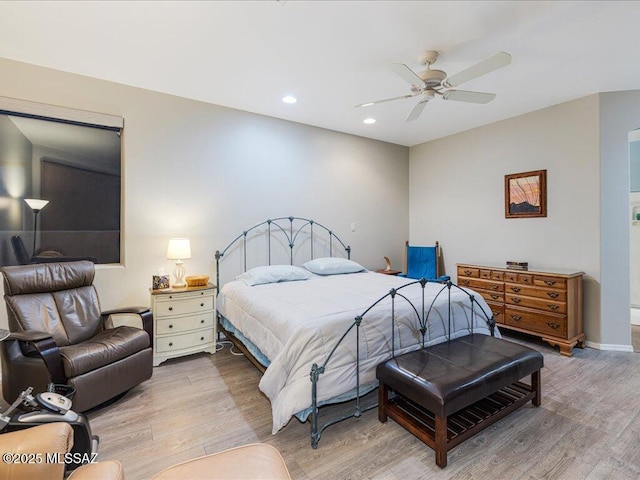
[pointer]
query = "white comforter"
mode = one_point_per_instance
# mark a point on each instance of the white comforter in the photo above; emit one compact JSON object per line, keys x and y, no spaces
{"x":296,"y":324}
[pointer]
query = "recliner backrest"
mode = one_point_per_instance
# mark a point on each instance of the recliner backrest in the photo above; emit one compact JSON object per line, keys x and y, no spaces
{"x":58,"y":298}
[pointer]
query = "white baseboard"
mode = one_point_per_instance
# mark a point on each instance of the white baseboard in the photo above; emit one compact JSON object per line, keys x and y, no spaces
{"x":609,"y":347}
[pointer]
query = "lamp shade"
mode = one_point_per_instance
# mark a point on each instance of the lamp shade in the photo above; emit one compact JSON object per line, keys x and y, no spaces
{"x":179,"y":249}
{"x":36,"y":203}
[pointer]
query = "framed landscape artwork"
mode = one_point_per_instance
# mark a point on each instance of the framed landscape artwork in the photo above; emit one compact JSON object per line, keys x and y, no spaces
{"x":525,"y":194}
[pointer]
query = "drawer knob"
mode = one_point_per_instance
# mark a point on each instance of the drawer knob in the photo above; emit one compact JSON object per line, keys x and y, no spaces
{"x":465,"y":282}
{"x":553,"y":307}
{"x":170,"y":308}
{"x":202,"y":321}
{"x":515,"y":299}
{"x":549,"y":282}
{"x":171,"y":344}
{"x":468,"y":272}
{"x":553,"y":325}
{"x":515,"y":289}
{"x":201,"y":338}
{"x":495,"y":287}
{"x":170,"y":326}
{"x":202,"y":304}
{"x":516,"y":317}
{"x":494,"y":296}
{"x":553,"y":294}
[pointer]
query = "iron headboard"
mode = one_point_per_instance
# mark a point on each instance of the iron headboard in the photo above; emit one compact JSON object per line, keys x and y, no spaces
{"x":286,"y":227}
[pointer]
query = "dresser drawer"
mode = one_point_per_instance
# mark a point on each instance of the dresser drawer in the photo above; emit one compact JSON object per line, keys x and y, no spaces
{"x":183,"y":324}
{"x":546,"y":323}
{"x":491,"y":296}
{"x":468,"y":272}
{"x":498,"y":311}
{"x":183,"y":305}
{"x":480,"y":284}
{"x":537,"y":303}
{"x":553,"y":282}
{"x":547,"y":293}
{"x":523,"y":278}
{"x":187,"y":340}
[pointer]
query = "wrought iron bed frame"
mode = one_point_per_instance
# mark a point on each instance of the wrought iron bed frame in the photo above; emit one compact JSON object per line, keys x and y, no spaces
{"x":422,"y":316}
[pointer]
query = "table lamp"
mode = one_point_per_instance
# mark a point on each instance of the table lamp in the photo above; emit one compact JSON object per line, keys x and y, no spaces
{"x":179,"y":249}
{"x":36,"y":205}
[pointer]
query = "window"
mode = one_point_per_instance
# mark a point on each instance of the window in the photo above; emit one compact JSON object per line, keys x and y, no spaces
{"x":72,"y":159}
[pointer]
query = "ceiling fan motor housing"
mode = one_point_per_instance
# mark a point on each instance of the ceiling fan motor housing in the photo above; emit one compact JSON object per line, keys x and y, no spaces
{"x":433,"y":78}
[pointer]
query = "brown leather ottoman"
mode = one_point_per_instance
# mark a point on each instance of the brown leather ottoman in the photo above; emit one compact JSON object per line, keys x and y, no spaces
{"x":448,"y":392}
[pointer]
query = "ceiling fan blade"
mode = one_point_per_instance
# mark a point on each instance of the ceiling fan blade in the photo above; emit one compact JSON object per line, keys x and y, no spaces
{"x":471,"y":97}
{"x":406,"y":73}
{"x":417,"y":110}
{"x":368,"y":104}
{"x":492,"y":63}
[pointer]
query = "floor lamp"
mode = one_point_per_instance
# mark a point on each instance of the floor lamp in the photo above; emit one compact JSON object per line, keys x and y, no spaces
{"x":36,"y":205}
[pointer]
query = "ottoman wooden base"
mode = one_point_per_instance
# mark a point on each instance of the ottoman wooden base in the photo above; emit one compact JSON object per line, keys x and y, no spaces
{"x":443,"y":434}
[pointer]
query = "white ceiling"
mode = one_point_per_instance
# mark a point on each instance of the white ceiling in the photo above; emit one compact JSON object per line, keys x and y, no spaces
{"x":333,"y":55}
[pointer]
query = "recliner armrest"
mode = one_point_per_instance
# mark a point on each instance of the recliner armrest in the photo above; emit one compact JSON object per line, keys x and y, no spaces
{"x":145,"y":315}
{"x":30,"y":336}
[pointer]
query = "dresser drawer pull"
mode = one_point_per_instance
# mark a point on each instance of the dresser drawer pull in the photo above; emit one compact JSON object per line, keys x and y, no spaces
{"x":495,"y":287}
{"x":553,"y":307}
{"x":465,"y":282}
{"x":515,"y":300}
{"x":468,"y":272}
{"x":553,"y":294}
{"x":494,"y":296}
{"x":516,"y":317}
{"x":515,"y":289}
{"x":549,"y":282}
{"x":553,"y":325}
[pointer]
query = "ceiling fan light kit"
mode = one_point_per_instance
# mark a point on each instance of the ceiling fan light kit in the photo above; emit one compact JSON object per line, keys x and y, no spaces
{"x":428,"y":83}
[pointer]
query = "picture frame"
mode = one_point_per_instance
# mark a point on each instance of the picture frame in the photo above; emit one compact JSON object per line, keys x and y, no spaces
{"x":525,"y":194}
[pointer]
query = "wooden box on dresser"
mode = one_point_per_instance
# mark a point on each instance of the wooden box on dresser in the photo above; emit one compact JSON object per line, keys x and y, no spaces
{"x":547,"y":304}
{"x":183,"y":322}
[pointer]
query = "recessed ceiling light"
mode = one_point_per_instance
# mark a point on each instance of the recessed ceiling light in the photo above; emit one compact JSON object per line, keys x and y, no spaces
{"x":289,"y":99}
{"x":369,"y":121}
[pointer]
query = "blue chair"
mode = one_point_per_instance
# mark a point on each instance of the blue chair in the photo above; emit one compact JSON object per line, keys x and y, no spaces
{"x":422,"y":262}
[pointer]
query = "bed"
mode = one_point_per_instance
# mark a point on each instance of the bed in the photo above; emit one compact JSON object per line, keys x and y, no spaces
{"x":318,"y":338}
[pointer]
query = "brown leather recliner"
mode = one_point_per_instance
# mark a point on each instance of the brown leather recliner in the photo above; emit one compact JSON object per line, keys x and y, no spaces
{"x":58,"y":335}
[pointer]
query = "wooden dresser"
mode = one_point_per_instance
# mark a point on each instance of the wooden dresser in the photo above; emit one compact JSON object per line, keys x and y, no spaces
{"x":542,"y":303}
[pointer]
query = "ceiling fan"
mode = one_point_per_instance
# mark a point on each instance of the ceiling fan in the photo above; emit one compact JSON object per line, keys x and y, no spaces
{"x":430,"y":82}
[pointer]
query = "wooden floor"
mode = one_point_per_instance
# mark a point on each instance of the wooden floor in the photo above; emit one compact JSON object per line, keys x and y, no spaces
{"x":588,"y":426}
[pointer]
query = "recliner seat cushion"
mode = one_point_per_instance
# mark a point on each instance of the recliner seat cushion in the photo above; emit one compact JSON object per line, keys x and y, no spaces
{"x":106,"y":347}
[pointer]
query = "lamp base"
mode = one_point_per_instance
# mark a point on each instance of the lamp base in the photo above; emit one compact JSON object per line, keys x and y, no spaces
{"x":178,"y":273}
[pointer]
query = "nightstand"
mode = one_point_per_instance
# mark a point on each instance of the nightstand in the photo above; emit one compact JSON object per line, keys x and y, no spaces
{"x":389,"y":272}
{"x":183,"y":322}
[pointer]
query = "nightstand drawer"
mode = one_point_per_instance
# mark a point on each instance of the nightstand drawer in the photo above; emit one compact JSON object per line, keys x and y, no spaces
{"x":187,"y":340}
{"x":183,"y":324}
{"x":183,"y":305}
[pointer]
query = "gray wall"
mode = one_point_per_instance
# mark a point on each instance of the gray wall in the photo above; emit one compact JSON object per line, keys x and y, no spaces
{"x":208,"y":172}
{"x":457,"y":196}
{"x":619,"y":115}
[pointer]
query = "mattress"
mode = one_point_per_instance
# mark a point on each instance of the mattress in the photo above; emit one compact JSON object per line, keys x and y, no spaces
{"x":296,"y":324}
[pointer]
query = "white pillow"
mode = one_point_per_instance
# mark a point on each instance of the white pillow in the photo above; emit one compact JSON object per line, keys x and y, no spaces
{"x":273,"y":274}
{"x":332,"y":266}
